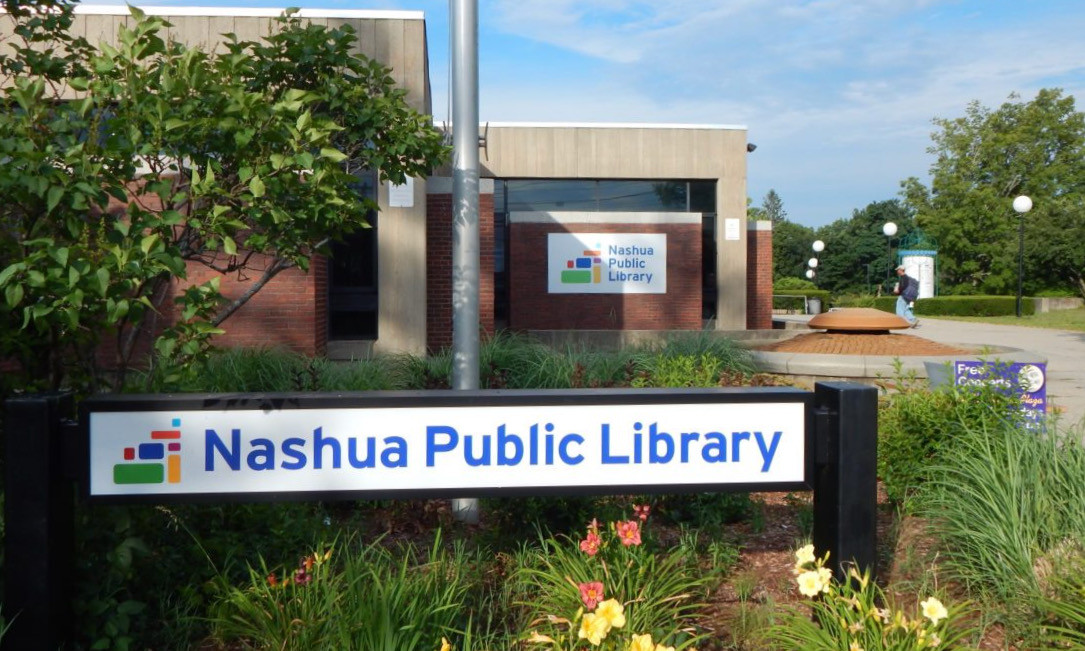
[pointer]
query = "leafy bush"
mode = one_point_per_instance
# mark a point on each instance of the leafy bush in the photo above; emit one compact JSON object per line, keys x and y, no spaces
{"x":915,"y":425}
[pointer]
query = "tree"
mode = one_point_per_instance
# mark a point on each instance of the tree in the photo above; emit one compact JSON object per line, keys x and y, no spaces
{"x":754,"y":213}
{"x":983,"y":160}
{"x":128,"y":162}
{"x":773,"y":207}
{"x":790,"y":249}
{"x":856,"y":257}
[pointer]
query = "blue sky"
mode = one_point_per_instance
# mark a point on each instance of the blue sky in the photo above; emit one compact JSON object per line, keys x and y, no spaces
{"x":838,"y":95}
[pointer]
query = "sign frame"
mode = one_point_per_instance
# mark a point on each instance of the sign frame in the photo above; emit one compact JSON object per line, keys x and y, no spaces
{"x":605,"y":398}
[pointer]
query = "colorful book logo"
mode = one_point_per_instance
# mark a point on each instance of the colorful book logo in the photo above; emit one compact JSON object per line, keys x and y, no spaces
{"x":154,"y":462}
{"x":583,"y":270}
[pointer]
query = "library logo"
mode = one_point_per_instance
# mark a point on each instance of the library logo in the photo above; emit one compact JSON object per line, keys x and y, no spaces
{"x":583,"y":269}
{"x":155,"y":460}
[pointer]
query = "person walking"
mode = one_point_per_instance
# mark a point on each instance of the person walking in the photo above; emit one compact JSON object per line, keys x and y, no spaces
{"x":907,"y":290}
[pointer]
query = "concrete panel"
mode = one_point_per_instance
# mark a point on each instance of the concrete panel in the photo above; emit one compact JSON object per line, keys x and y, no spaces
{"x":251,"y":28}
{"x":401,"y":271}
{"x":731,"y":253}
{"x":414,"y":66}
{"x":216,"y":27}
{"x":193,"y":31}
{"x":366,"y":32}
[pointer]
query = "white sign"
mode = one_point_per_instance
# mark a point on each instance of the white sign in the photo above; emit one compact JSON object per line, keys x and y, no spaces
{"x":730,"y":229}
{"x":401,"y":196}
{"x":607,"y":263}
{"x":251,"y":451}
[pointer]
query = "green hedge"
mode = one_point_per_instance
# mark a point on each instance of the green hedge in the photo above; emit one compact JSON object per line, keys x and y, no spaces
{"x":796,"y":304}
{"x":962,"y":305}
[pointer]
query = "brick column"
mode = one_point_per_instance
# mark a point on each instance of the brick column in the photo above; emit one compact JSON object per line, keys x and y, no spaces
{"x":759,"y":276}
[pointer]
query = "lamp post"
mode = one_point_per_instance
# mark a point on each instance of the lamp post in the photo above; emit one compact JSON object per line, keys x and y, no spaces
{"x":811,"y":273}
{"x":1021,"y":205}
{"x":890,"y":229}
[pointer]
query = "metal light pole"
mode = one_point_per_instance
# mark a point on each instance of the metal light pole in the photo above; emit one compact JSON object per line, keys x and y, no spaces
{"x":465,"y":226}
{"x":1021,"y":205}
{"x":818,"y":247}
{"x":890,"y":229}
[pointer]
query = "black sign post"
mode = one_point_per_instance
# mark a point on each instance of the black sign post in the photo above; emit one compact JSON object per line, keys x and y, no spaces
{"x":38,"y":523}
{"x":836,"y":427}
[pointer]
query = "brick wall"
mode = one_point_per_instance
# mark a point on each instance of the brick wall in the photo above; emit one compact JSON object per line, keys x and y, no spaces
{"x":759,"y":277}
{"x":532,"y":308}
{"x":290,"y":312}
{"x":439,"y":268}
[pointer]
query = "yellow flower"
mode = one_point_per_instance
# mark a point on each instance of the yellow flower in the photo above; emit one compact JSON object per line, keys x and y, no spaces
{"x":934,"y":610}
{"x":593,"y":628}
{"x":809,"y":583}
{"x":613,"y":612}
{"x":825,"y":576}
{"x":641,"y":643}
{"x":445,"y":646}
{"x":804,"y":555}
{"x":855,"y":646}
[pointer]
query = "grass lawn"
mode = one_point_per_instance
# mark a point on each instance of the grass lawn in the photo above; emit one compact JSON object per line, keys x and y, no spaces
{"x":1058,"y":320}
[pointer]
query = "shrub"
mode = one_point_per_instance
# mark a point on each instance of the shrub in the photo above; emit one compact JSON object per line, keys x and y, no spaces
{"x":961,"y":305}
{"x":915,"y":425}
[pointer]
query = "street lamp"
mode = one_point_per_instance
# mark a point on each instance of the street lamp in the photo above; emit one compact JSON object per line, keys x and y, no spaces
{"x":818,"y":247}
{"x":1021,"y":205}
{"x":890,"y":229}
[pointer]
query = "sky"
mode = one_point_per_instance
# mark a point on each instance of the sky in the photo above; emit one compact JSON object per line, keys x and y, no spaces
{"x":838,"y":95}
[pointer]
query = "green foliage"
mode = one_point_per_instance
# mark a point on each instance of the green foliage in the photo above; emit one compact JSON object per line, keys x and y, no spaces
{"x":1008,"y":505}
{"x":951,"y":306}
{"x":794,"y":302}
{"x":791,"y":249}
{"x":1064,"y":607}
{"x":916,"y":426}
{"x":659,"y":594}
{"x":241,"y":161}
{"x":982,"y":161}
{"x":705,"y":511}
{"x":275,"y":370}
{"x":371,"y":597}
{"x":855,"y":614}
{"x":857,"y":253}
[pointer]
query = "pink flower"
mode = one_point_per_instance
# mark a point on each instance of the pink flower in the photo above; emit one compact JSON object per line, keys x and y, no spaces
{"x":591,"y":594}
{"x":590,"y":545}
{"x":641,"y":511}
{"x":628,"y":532}
{"x":301,"y":577}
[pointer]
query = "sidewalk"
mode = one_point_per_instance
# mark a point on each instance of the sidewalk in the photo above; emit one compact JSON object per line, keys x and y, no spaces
{"x":1064,"y":351}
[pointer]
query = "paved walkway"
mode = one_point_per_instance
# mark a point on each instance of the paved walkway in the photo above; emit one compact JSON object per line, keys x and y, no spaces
{"x":1064,"y":352}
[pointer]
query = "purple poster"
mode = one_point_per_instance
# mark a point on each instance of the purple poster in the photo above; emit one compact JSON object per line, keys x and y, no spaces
{"x":1027,"y":380}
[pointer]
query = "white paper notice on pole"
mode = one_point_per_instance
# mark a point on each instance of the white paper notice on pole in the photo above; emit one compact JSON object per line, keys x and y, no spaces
{"x":607,"y":263}
{"x":730,"y":229}
{"x":401,"y":196}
